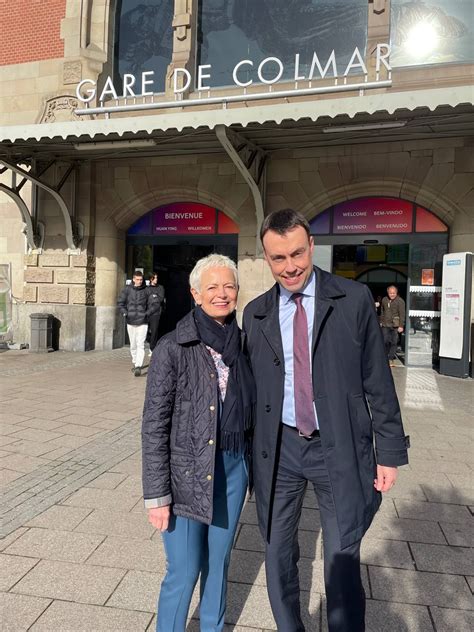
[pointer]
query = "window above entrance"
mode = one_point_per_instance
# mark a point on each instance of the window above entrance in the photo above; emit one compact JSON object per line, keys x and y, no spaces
{"x":376,"y":215}
{"x":268,"y":39}
{"x":184,"y":218}
{"x":431,"y":32}
{"x":143,"y":41}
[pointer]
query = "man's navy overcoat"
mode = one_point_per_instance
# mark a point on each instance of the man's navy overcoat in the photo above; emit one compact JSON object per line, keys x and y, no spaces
{"x":354,"y":394}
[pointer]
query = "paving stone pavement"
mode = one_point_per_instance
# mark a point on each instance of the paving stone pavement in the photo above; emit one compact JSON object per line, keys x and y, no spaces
{"x":77,"y":553}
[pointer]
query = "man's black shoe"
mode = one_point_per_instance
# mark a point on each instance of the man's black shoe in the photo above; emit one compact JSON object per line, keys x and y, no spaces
{"x":137,"y":371}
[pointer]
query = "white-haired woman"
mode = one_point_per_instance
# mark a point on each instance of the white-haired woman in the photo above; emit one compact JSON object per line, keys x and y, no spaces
{"x":196,"y":431}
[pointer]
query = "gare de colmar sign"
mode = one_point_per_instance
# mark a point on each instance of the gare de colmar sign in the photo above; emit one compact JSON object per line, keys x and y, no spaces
{"x":269,"y":72}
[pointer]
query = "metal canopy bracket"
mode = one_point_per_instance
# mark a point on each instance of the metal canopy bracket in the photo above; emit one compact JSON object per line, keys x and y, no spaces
{"x":73,"y":229}
{"x":33,"y":237}
{"x":250,"y":160}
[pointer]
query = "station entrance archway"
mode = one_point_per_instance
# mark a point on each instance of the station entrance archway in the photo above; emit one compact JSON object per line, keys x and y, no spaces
{"x":381,"y":241}
{"x":169,"y":240}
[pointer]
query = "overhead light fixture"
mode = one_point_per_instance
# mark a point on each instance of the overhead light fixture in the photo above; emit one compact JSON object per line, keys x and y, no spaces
{"x":363,"y":127}
{"x":115,"y":144}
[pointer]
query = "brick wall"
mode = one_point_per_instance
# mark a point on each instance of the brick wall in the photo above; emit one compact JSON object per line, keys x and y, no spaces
{"x":31,"y":30}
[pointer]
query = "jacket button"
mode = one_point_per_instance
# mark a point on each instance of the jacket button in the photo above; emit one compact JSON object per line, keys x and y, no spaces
{"x":276,"y":361}
{"x":268,"y":408}
{"x":212,"y":375}
{"x":264,"y":454}
{"x":209,"y":477}
{"x":212,"y":408}
{"x":211,"y":442}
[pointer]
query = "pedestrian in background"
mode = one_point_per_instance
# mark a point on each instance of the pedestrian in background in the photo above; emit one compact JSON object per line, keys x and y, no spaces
{"x":197,"y":422}
{"x":392,"y":321}
{"x":378,"y":305}
{"x":156,"y":304}
{"x":133,"y":305}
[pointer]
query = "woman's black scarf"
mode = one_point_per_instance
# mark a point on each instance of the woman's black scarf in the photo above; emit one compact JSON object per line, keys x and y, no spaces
{"x":237,"y":416}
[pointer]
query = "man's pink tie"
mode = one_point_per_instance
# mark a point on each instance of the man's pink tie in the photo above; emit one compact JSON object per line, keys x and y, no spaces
{"x":303,"y":387}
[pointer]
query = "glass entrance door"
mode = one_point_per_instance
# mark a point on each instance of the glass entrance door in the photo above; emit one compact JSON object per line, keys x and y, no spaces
{"x":377,"y":266}
{"x":382,"y":241}
{"x":426,"y":266}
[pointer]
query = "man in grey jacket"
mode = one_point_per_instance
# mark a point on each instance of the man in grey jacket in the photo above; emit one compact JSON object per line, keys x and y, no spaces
{"x":392,"y":321}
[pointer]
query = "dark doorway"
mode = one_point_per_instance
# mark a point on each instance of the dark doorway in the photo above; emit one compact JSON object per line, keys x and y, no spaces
{"x":377,"y":266}
{"x":174,"y":265}
{"x":378,"y":279}
{"x":173,"y":259}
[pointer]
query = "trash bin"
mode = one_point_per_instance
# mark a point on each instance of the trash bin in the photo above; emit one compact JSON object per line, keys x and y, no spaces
{"x":41,"y":333}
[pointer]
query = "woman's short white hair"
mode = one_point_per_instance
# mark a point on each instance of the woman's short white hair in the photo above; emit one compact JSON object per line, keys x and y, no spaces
{"x":211,"y":261}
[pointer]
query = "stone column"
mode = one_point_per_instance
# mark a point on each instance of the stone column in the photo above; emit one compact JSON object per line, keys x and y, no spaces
{"x":110,"y":268}
{"x":378,"y":33}
{"x":461,"y":190}
{"x":461,"y":232}
{"x":184,"y":42}
{"x":461,"y":238}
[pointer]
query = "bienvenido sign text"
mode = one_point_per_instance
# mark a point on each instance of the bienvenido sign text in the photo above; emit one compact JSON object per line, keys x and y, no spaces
{"x":269,"y":71}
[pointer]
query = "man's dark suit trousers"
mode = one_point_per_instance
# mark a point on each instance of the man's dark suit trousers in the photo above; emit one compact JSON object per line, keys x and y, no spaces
{"x":301,"y":461}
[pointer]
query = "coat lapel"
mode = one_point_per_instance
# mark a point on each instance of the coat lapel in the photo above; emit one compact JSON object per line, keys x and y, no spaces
{"x":327,"y":289}
{"x":270,"y":323}
{"x":324,"y":307}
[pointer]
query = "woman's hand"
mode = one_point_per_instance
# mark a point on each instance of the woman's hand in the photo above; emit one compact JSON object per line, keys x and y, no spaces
{"x":159,"y":517}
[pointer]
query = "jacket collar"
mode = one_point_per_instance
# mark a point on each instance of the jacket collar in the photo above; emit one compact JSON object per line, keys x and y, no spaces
{"x":186,"y":330}
{"x":327,"y":289}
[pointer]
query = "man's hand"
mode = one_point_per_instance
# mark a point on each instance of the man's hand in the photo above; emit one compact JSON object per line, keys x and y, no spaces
{"x":159,"y":517}
{"x":386,"y":477}
{"x":400,"y":330}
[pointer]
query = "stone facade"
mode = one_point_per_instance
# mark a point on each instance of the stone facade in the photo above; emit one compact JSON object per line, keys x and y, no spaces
{"x":438,"y":175}
{"x":59,"y":278}
{"x":81,"y":288}
{"x":61,"y":284}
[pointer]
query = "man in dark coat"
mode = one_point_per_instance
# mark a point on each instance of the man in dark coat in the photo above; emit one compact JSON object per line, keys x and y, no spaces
{"x":156,"y":303}
{"x":133,"y":305}
{"x":324,"y":393}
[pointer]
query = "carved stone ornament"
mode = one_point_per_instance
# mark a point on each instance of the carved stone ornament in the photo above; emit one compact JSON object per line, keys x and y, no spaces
{"x":72,"y":72}
{"x":378,"y":6}
{"x":60,"y":108}
{"x":181,"y":24}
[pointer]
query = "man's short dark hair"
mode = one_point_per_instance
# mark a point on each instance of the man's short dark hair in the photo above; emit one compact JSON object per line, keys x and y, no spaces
{"x":138,"y":273}
{"x":283,"y":221}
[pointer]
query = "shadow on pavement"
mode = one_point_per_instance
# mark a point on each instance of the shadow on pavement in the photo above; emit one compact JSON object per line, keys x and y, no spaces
{"x":405,"y":594}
